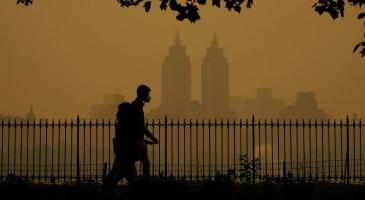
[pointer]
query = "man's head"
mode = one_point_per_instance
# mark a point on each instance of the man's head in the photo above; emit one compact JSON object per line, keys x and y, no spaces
{"x":143,"y":93}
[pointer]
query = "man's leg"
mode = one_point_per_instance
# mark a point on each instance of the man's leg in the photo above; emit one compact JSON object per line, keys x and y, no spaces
{"x":145,"y":161}
{"x":109,"y":180}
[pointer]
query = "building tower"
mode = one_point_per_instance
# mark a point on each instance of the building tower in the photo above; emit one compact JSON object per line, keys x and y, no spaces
{"x":30,"y":115}
{"x":176,"y":80}
{"x":215,"y":86}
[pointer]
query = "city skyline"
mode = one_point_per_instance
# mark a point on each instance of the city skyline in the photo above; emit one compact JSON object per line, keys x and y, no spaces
{"x":64,"y":65}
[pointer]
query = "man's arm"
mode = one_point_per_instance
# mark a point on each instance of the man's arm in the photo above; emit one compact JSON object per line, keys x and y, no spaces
{"x":150,"y":136}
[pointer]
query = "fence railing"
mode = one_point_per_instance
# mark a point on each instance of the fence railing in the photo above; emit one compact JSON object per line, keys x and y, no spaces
{"x":249,"y":150}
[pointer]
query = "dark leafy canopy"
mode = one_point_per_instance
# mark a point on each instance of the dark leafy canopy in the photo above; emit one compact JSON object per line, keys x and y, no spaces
{"x":25,"y":2}
{"x":189,"y":9}
{"x":336,"y":8}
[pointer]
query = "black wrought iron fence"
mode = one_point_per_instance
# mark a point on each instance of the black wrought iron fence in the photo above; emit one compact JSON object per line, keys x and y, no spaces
{"x":249,"y":150}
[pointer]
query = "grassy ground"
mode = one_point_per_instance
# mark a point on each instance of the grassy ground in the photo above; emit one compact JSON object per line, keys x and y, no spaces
{"x":172,"y":191}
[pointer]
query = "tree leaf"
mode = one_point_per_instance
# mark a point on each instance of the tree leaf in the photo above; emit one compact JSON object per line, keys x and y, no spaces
{"x":237,"y":8}
{"x":356,"y":48}
{"x":216,"y":3}
{"x":201,"y":2}
{"x":362,"y":52}
{"x":147,"y":6}
{"x":361,"y":15}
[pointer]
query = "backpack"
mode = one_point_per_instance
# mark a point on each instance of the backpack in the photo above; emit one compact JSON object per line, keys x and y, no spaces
{"x":122,"y":116}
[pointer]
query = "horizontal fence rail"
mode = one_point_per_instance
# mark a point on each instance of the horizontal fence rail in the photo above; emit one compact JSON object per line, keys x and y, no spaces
{"x":244,"y":151}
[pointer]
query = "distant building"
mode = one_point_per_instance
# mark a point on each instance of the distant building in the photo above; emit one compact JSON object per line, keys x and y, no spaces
{"x":30,"y":115}
{"x":108,"y":109}
{"x":235,"y":103}
{"x":175,"y":83}
{"x":264,"y":105}
{"x":215,"y":81}
{"x":305,"y":107}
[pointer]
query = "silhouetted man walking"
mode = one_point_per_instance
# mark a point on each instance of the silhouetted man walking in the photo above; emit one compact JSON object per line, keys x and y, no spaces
{"x":139,"y":129}
{"x":129,"y":144}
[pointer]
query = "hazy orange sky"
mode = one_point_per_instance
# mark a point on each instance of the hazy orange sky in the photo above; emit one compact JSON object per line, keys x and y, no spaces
{"x":63,"y":56}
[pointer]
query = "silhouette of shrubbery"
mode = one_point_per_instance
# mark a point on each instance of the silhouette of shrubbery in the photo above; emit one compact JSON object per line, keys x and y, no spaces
{"x":249,"y":169}
{"x":12,"y":179}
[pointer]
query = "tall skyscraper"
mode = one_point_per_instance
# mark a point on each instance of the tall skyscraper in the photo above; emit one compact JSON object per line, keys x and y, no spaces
{"x":176,"y":80}
{"x":215,"y":86}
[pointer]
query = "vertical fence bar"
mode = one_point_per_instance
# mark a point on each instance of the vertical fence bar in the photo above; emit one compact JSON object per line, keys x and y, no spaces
{"x":45,"y":153}
{"x":178,"y":148}
{"x":278,"y":134}
{"x":8,"y":168}
{"x":259,"y":143}
{"x":96,"y":149}
{"x":227,"y":125}
{"x":159,"y":147}
{"x":265,"y":132}
{"x":71,"y":151}
{"x":335,"y":146}
{"x":322,"y":146}
{"x":153,"y":149}
{"x":246,"y":125}
{"x":52,"y":152}
{"x":109,"y":145}
{"x":203,"y":143}
{"x":2,"y":149}
{"x":253,"y":151}
{"x":297,"y":145}
{"x":191,"y":150}
{"x":184,"y":155}
{"x":354,"y":150}
{"x":196,"y":148}
{"x":284,"y":145}
{"x":14,"y":157}
{"x":316,"y":133}
{"x":84,"y":149}
{"x":272,"y":148}
{"x":347,"y":169}
{"x":27,"y":155}
{"x":40,"y":151}
{"x":234,"y":146}
{"x":33,"y":152}
{"x":58,"y":149}
{"x":310,"y":150}
{"x":65,"y":152}
{"x":290,"y":147}
{"x":172,"y":147}
{"x":78,"y":149}
{"x":361,"y":181}
{"x":165,"y":124}
{"x":215,"y":146}
{"x":222,"y":146}
{"x":329,"y":150}
{"x":21,"y":149}
{"x":209,"y":156}
{"x":90,"y":150}
{"x":102,"y":141}
{"x":341,"y":161}
{"x":241,"y":151}
{"x":304,"y":162}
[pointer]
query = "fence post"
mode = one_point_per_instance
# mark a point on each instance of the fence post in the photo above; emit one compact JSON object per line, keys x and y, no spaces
{"x":347,"y":169}
{"x":253,"y":151}
{"x":78,"y":148}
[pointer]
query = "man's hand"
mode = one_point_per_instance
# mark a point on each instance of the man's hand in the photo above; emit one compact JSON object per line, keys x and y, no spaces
{"x":155,"y":141}
{"x":148,"y":142}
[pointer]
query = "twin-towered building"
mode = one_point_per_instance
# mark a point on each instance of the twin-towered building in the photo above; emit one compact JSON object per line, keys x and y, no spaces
{"x":176,"y":85}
